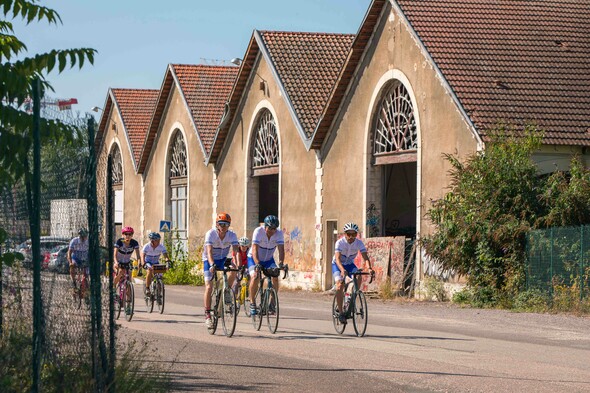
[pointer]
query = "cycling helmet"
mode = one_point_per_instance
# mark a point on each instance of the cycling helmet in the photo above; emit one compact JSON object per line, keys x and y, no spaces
{"x":83,"y":232}
{"x":244,"y":241}
{"x":154,"y":236}
{"x":223,"y":218}
{"x":351,"y":226}
{"x":127,"y":230}
{"x":271,"y":221}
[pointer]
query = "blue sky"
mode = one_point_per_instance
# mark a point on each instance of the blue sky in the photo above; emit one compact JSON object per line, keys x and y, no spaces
{"x":137,"y":39}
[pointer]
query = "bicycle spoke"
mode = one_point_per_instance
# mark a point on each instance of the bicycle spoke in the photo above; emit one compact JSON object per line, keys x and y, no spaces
{"x":360,"y":313}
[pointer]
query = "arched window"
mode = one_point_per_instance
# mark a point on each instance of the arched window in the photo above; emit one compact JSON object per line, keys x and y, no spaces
{"x":117,"y":162}
{"x":265,"y":153}
{"x":178,"y":181}
{"x":395,"y":139}
{"x":117,"y":166}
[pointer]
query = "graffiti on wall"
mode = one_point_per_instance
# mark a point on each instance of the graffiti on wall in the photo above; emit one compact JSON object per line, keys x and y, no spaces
{"x":432,"y":267}
{"x":373,"y":220}
{"x":299,"y":251}
{"x":387,"y":258}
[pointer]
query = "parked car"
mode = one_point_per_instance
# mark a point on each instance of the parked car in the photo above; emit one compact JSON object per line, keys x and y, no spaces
{"x":47,"y":244}
{"x":58,"y":260}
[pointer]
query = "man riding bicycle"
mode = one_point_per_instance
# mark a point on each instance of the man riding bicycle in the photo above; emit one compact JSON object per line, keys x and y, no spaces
{"x":150,"y":255}
{"x":218,"y":241}
{"x":347,"y":248}
{"x":264,"y":242}
{"x":124,"y":248}
{"x":77,"y":254}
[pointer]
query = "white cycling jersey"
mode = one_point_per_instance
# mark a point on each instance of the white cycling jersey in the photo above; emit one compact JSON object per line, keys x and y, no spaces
{"x":266,"y":246}
{"x":79,"y":249}
{"x":152,"y":255}
{"x":219,"y":248}
{"x":348,"y":251}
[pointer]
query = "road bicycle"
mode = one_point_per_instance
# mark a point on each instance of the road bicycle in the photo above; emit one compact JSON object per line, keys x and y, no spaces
{"x":157,"y":291}
{"x":243,"y":293}
{"x":125,"y":294}
{"x":81,"y":286}
{"x":355,"y":305}
{"x":267,"y":298}
{"x":223,"y":302}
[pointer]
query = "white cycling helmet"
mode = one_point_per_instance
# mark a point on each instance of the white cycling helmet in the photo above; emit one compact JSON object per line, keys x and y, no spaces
{"x":351,"y":226}
{"x":244,"y":241}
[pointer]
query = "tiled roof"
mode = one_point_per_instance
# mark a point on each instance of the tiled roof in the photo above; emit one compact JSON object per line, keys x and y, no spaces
{"x":136,"y":107}
{"x":513,"y":61}
{"x":205,"y":89}
{"x":308,"y":65}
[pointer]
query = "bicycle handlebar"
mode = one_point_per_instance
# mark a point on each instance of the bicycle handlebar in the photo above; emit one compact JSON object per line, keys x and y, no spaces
{"x":270,"y":271}
{"x":372,"y":274}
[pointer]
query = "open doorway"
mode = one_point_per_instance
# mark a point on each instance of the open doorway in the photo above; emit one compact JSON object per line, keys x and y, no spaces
{"x":399,"y":199}
{"x":268,"y":192}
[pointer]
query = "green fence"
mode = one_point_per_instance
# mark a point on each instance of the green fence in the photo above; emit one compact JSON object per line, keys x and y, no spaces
{"x":559,"y":257}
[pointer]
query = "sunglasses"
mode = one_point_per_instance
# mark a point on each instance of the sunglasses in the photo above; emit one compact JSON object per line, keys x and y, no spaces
{"x":223,"y":225}
{"x":351,"y":234}
{"x":128,"y":234}
{"x":271,"y":228}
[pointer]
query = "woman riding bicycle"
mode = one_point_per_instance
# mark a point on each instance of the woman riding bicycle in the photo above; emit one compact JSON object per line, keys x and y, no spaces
{"x":218,"y":241}
{"x":347,"y":248}
{"x":124,"y":248}
{"x":77,"y":254}
{"x":150,"y":255}
{"x":242,"y":255}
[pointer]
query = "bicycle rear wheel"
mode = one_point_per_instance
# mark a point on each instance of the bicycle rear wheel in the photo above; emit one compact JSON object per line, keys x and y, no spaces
{"x":160,"y":295}
{"x":118,"y":302}
{"x":246,"y":295}
{"x":272,"y":310}
{"x":149,"y":300}
{"x":339,"y":326}
{"x":129,"y":302}
{"x":214,"y":311}
{"x":257,"y":318}
{"x":360,"y":314}
{"x":228,"y":312}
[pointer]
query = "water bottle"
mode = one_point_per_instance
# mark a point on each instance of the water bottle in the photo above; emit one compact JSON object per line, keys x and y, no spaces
{"x":346,"y":301}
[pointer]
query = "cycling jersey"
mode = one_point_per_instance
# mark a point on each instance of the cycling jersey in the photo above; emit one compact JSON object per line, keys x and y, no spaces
{"x":79,"y":250}
{"x":348,"y":252}
{"x":152,"y":255}
{"x":124,"y":251}
{"x":219,"y":248}
{"x":266,"y":246}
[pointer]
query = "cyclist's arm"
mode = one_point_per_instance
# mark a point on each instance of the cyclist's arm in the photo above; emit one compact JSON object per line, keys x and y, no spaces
{"x":236,"y":256}
{"x":255,"y":253}
{"x":337,"y":256}
{"x":166,"y":258}
{"x":69,"y":255}
{"x":281,"y":248}
{"x":367,"y":260}
{"x":138,"y":255}
{"x":142,"y":259}
{"x":115,"y":255}
{"x":209,"y":253}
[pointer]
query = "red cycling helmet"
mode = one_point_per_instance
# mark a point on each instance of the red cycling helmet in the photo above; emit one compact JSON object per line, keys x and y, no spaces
{"x":127,"y":230}
{"x":223,"y":218}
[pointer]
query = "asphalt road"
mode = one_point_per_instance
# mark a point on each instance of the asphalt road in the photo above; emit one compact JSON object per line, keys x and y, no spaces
{"x":409,"y":347}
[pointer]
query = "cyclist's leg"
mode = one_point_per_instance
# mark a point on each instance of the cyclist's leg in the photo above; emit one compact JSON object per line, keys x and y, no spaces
{"x":120,"y":272}
{"x":148,"y":277}
{"x":208,"y":287}
{"x":73,"y":271}
{"x":339,"y":285}
{"x":253,"y":280}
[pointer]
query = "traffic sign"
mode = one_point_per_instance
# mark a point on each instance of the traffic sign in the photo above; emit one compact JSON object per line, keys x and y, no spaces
{"x":165,"y":226}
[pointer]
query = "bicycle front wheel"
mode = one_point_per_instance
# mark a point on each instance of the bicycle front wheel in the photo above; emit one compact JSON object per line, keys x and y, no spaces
{"x":272,"y":310}
{"x":129,"y":301}
{"x":149,"y":300}
{"x":257,"y":318}
{"x":160,"y":295}
{"x":246,"y":296}
{"x":339,"y":326}
{"x":360,"y":314}
{"x":228,"y":312}
{"x":215,"y":298}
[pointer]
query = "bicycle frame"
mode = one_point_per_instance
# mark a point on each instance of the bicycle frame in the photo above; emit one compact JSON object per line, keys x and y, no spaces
{"x":268,"y":298}
{"x":125,"y":294}
{"x":223,"y":303}
{"x":357,"y":309}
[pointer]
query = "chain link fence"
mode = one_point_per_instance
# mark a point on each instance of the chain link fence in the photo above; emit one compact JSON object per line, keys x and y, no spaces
{"x":559,"y":257}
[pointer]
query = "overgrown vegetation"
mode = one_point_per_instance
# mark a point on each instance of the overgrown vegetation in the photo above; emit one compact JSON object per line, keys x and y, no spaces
{"x":495,"y":198}
{"x":187,"y":266}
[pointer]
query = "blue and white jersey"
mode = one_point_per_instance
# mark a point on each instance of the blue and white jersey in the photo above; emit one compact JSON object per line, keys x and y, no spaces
{"x":348,"y":251}
{"x":79,"y":249}
{"x":266,"y":246}
{"x":152,"y":255}
{"x":124,"y":251}
{"x":219,"y":248}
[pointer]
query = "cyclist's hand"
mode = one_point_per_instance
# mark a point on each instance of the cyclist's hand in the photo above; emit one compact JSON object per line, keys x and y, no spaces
{"x":212,"y":269}
{"x":281,"y":265}
{"x":257,"y":267}
{"x":343,"y":273}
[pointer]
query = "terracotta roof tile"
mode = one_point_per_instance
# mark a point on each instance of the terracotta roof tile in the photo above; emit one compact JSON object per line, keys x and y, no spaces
{"x":513,"y":61}
{"x":308,"y":65}
{"x":205,"y":89}
{"x":136,"y":108}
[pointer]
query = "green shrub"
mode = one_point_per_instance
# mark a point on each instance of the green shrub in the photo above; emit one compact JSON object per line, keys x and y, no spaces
{"x":187,"y":266}
{"x":463,"y":297}
{"x":386,"y":290}
{"x":532,"y":300}
{"x":434,"y":289}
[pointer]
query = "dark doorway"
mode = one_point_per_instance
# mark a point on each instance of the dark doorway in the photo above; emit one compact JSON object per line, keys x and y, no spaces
{"x":268,"y":194}
{"x":399,"y":199}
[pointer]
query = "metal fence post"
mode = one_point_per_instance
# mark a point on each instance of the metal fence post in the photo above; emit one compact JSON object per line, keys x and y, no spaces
{"x":551,"y":262}
{"x":581,"y":262}
{"x":110,"y":241}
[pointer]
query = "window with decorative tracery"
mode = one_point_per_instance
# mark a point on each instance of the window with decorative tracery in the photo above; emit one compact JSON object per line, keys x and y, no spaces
{"x":178,"y":157}
{"x":395,"y":128}
{"x":266,"y":143}
{"x":117,"y":161}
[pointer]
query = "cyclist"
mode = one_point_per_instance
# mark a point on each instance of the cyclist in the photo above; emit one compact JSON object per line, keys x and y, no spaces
{"x":150,"y":255}
{"x":218,"y":241}
{"x":264,"y":242}
{"x":77,"y":254}
{"x":244,"y":246}
{"x":347,"y":248}
{"x":124,"y":248}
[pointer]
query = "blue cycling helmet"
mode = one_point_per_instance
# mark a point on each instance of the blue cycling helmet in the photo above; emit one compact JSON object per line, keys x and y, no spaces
{"x":271,"y":221}
{"x":154,"y":235}
{"x":83,"y":232}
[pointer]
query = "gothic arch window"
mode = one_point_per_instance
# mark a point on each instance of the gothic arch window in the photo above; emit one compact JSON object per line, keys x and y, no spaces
{"x":117,"y":166}
{"x":265,"y":150}
{"x":178,"y":192}
{"x":117,"y":174}
{"x":395,"y":135}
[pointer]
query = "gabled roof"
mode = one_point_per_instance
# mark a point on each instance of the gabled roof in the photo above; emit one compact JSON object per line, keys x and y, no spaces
{"x":135,"y":106}
{"x":204,"y":90}
{"x":503,"y":61}
{"x":305,"y":67}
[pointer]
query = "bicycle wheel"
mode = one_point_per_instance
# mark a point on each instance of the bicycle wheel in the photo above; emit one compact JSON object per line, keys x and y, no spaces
{"x":149,"y":300}
{"x":272,"y":310}
{"x":214,"y":308}
{"x":228,"y":312}
{"x":257,"y":319}
{"x":118,"y":301}
{"x":129,"y":302}
{"x":360,"y":314}
{"x":77,"y":296}
{"x":339,"y":326}
{"x":160,"y":295}
{"x":246,"y":296}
